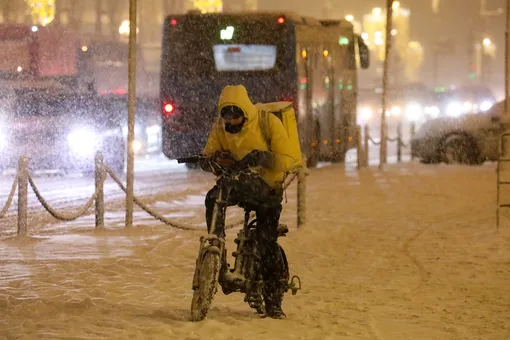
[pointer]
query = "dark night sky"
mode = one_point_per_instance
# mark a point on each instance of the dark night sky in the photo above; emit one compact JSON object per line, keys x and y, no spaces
{"x":456,"y":21}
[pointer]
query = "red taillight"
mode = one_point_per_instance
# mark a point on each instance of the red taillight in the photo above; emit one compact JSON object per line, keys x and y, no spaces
{"x":281,"y":20}
{"x":168,"y":109}
{"x":173,"y":22}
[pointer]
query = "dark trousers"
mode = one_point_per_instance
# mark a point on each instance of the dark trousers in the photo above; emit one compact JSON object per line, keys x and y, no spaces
{"x":266,"y":202}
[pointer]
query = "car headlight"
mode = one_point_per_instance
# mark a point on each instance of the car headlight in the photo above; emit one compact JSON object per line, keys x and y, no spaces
{"x":83,"y":141}
{"x":414,"y":112}
{"x":396,"y":111}
{"x":432,"y":111}
{"x":485,"y":106}
{"x":454,"y":109}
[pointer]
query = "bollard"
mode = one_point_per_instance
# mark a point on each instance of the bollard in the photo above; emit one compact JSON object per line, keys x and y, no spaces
{"x":99,"y":179}
{"x":301,"y":197}
{"x":22,"y":196}
{"x":399,"y":142}
{"x":412,"y":132}
{"x":366,"y":141}
{"x":360,"y":158}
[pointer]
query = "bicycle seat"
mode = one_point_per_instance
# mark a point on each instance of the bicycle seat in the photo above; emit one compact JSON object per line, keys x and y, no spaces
{"x":282,"y":230}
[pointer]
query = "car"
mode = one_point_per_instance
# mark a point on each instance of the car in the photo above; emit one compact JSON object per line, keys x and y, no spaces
{"x":467,"y":139}
{"x":61,"y":132}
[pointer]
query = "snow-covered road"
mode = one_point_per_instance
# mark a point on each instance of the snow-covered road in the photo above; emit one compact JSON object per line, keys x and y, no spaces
{"x":408,"y":253}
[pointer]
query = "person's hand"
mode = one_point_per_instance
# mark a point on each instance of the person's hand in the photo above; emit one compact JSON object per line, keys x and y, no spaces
{"x":224,"y":159}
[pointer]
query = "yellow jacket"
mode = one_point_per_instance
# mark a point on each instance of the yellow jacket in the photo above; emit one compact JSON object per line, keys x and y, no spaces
{"x":250,"y":137}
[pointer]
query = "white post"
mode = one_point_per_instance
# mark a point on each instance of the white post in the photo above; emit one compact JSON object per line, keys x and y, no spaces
{"x":384,"y":140}
{"x":131,"y":113}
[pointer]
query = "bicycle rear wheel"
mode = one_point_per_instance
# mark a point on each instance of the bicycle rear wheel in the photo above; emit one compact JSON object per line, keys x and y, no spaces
{"x":208,"y":283}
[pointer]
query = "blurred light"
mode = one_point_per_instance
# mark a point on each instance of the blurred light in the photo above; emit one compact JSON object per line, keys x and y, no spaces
{"x":281,"y":20}
{"x":137,"y":146}
{"x":485,"y":106}
{"x":326,"y":53}
{"x":486,"y":42}
{"x":303,"y":53}
{"x":467,"y":106}
{"x":169,"y":108}
{"x":84,"y":48}
{"x":349,"y":17}
{"x":394,"y":31}
{"x":366,"y":114}
{"x":343,"y":41}
{"x":378,"y":34}
{"x":326,"y":80}
{"x":124,"y":28}
{"x":414,"y":112}
{"x":19,"y":69}
{"x":364,"y":35}
{"x":35,"y":28}
{"x":433,"y":111}
{"x":376,"y":11}
{"x":227,"y":33}
{"x":396,"y":4}
{"x":454,"y":109}
{"x":83,"y":141}
{"x":153,"y":130}
{"x":379,"y":41}
{"x":173,"y":22}
{"x":395,"y":111}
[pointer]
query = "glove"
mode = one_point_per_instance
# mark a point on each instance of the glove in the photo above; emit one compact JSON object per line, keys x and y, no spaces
{"x":256,"y":158}
{"x":223,"y":158}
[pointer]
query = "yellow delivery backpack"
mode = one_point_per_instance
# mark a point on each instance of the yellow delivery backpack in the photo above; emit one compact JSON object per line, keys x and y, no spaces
{"x":285,"y":112}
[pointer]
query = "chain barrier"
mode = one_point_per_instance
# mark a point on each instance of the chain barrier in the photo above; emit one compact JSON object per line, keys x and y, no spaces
{"x":8,"y":203}
{"x":23,"y":179}
{"x":62,"y":216}
{"x":363,"y":156}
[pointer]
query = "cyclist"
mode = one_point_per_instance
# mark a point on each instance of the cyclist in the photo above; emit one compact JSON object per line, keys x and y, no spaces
{"x":236,"y":141}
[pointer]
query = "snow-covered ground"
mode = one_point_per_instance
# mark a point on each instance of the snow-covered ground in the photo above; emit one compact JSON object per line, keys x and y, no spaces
{"x":408,"y":253}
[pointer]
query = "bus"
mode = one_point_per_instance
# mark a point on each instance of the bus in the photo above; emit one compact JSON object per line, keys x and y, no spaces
{"x":277,"y":56}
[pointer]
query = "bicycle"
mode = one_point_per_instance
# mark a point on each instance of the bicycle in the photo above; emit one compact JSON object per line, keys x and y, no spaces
{"x":211,"y":265}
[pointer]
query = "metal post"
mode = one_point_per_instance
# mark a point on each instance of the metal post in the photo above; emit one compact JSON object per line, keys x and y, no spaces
{"x":22,"y":196}
{"x":412,"y":132}
{"x":384,"y":142}
{"x":131,"y":113}
{"x":505,"y":119}
{"x":99,"y":160}
{"x":359,"y":148}
{"x":399,"y":142}
{"x":366,"y":138}
{"x":301,"y":197}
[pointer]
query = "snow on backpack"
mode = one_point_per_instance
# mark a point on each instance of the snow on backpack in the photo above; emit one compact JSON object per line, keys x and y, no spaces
{"x":285,"y":112}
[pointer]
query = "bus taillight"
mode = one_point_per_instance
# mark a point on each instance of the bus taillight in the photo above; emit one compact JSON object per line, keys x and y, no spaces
{"x":168,"y":109}
{"x":281,"y":20}
{"x":173,"y":22}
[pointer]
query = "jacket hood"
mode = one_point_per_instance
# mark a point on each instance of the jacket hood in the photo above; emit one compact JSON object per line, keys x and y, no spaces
{"x":238,"y":95}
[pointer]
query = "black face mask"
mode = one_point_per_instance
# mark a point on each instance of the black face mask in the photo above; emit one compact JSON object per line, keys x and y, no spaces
{"x":234,"y":128}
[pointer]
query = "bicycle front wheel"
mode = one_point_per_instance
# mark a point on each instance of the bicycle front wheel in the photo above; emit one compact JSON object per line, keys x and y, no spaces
{"x":208,"y":283}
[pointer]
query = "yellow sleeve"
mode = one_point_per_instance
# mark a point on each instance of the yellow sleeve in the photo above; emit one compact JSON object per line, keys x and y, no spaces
{"x":213,"y":142}
{"x":280,"y":146}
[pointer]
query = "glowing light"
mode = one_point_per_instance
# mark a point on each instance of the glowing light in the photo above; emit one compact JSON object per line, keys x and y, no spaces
{"x":43,"y":11}
{"x":349,"y":17}
{"x":84,"y":48}
{"x":377,"y":11}
{"x":486,"y":42}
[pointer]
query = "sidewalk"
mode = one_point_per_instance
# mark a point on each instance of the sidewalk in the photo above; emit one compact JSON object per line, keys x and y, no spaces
{"x":408,"y":253}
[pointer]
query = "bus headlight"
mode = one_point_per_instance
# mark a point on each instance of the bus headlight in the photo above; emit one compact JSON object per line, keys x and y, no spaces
{"x":83,"y":141}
